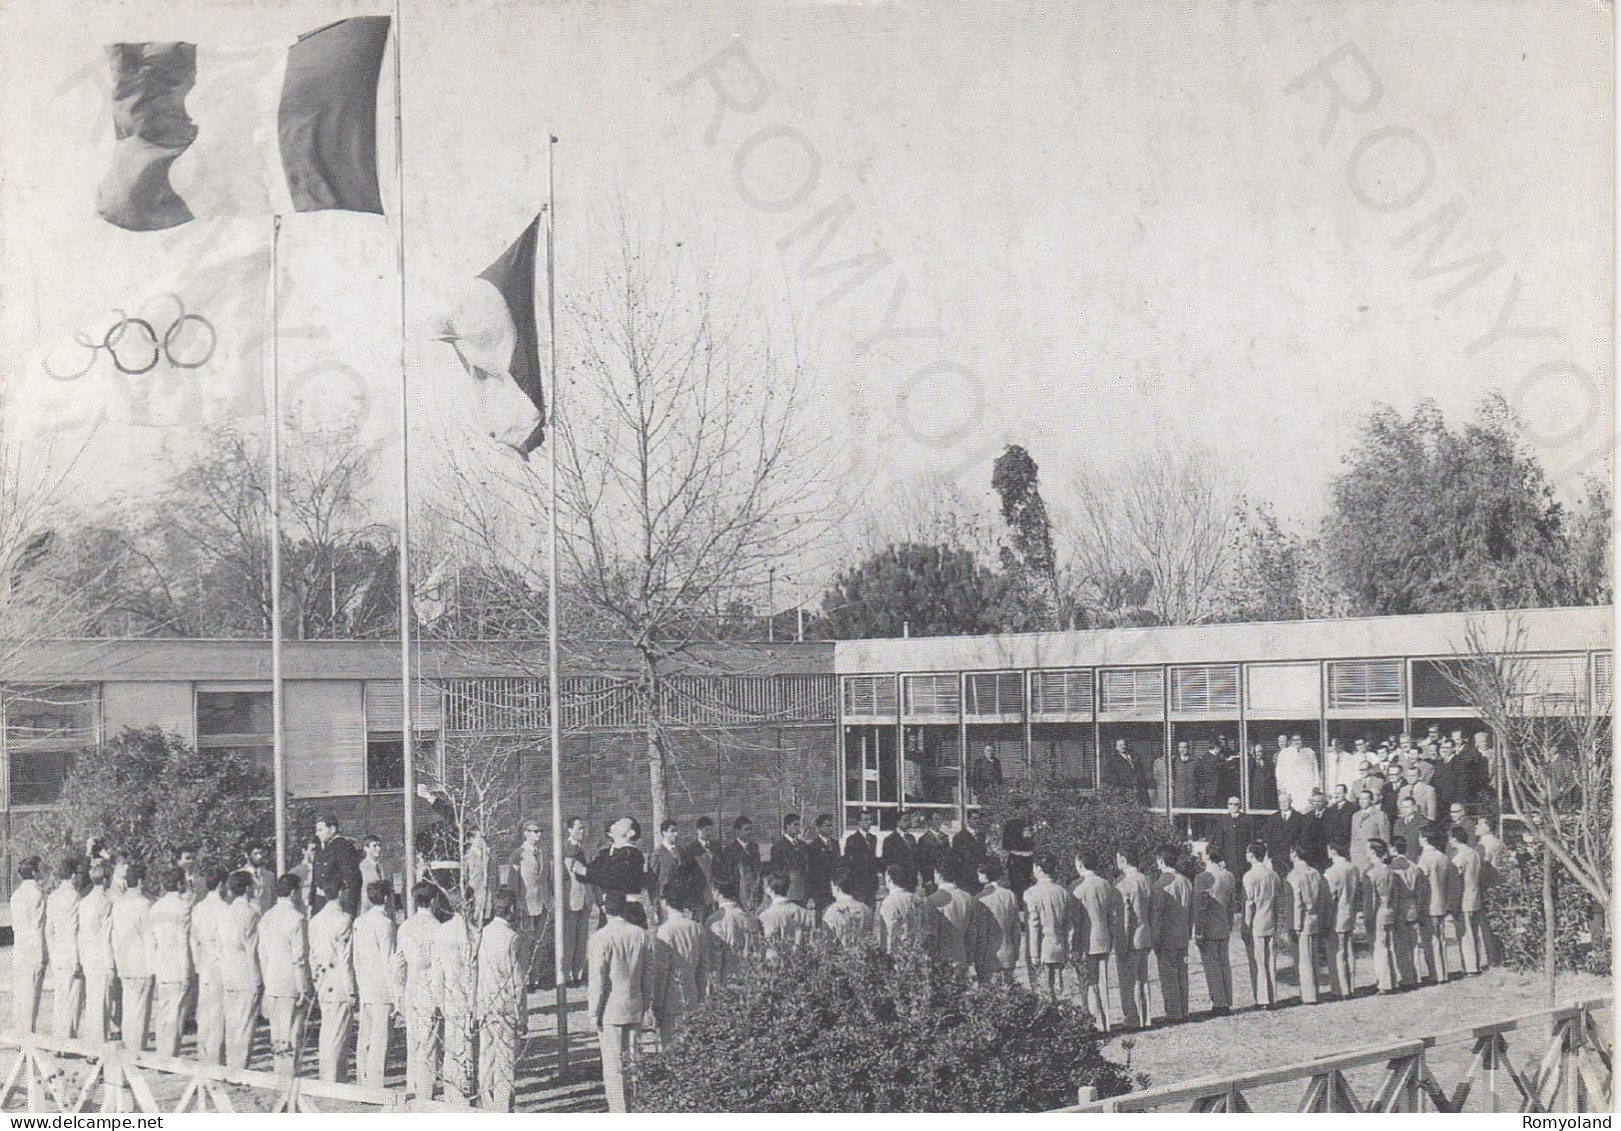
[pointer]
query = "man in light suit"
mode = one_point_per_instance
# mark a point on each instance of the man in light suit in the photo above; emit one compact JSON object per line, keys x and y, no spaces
{"x":1050,"y":916}
{"x":332,"y":969}
{"x":1310,"y":898}
{"x":577,"y":909}
{"x":501,"y":1004}
{"x":96,"y":955}
{"x":454,"y":962}
{"x":62,"y":951}
{"x":665,"y":861}
{"x":960,"y":936}
{"x":786,"y":920}
{"x":1173,"y":926}
{"x":205,"y":945}
{"x":1445,"y":896}
{"x":1093,"y":940}
{"x":681,"y":952}
{"x":531,"y":879}
{"x":1384,"y":907}
{"x":416,"y":990}
{"x":1472,"y":938}
{"x":1345,"y":892}
{"x":238,"y":929}
{"x":132,"y":957}
{"x":736,"y":933}
{"x":1001,"y":943}
{"x":172,"y":960}
{"x":374,"y":983}
{"x":1136,"y":902}
{"x":284,"y":962}
{"x":1213,"y":926}
{"x":1262,"y":890}
{"x":621,"y":981}
{"x":28,"y":946}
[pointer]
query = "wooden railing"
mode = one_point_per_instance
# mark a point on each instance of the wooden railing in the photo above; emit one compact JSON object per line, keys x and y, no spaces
{"x":1571,"y":1074}
{"x":54,"y":1075}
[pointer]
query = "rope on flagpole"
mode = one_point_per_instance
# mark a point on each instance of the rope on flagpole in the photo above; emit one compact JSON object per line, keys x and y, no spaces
{"x":554,"y":670}
{"x":407,"y":723}
{"x":278,"y":744}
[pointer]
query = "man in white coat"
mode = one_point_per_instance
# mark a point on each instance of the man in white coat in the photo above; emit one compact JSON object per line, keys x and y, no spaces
{"x":416,"y":990}
{"x":170,"y":957}
{"x":96,"y":955}
{"x":374,"y":983}
{"x":453,"y":961}
{"x":62,"y":951}
{"x":333,"y":971}
{"x":205,"y":947}
{"x":28,"y":947}
{"x":132,"y":957}
{"x":238,"y":928}
{"x":501,"y":1001}
{"x":284,"y":964}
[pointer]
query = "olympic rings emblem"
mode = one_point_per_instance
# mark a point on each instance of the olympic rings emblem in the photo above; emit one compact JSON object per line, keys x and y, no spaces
{"x":136,"y":347}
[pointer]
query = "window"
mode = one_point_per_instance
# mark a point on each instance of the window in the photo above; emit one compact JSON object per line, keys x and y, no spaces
{"x":385,"y":759}
{"x":45,"y":729}
{"x":1355,"y":684}
{"x":869,"y":696}
{"x":995,"y":693}
{"x":1137,"y":693}
{"x":239,"y":722}
{"x":1061,"y":693}
{"x":1205,"y":689}
{"x":1435,"y":684}
{"x":932,"y":696}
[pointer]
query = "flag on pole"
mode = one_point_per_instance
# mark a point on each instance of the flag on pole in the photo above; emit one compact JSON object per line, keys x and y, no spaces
{"x":274,"y":129}
{"x":492,"y":329}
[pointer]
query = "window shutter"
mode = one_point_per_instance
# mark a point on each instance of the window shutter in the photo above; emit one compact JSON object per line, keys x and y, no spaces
{"x":1133,"y":693}
{"x":869,"y":696}
{"x":1552,"y":685}
{"x":932,"y":696}
{"x":1361,"y":684}
{"x":385,"y":707}
{"x":1603,"y":677}
{"x":1061,"y":693}
{"x":1205,"y":689}
{"x":995,"y":693}
{"x":168,"y":705}
{"x":326,"y":738}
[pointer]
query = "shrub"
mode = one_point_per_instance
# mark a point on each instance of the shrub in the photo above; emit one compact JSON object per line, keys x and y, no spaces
{"x":147,"y":792}
{"x":1067,"y":820}
{"x":826,"y":1028}
{"x":1514,"y":910}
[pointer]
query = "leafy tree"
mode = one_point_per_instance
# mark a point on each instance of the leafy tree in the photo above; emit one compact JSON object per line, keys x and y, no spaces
{"x":827,"y":1028}
{"x":148,"y":792}
{"x":1067,"y":819}
{"x":924,"y":590}
{"x":1592,"y":557}
{"x":1027,"y":558}
{"x":1426,"y":518}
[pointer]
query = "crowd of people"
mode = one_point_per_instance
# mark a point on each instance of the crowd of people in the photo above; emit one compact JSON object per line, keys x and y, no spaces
{"x":138,"y":953}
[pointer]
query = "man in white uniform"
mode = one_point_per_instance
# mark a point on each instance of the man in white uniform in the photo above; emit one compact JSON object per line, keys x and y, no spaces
{"x":501,"y":1002}
{"x":132,"y":956}
{"x":170,"y":956}
{"x":453,"y":961}
{"x":374,"y":983}
{"x":332,"y":970}
{"x":284,"y":964}
{"x":1296,"y":772}
{"x":62,"y":951}
{"x":205,"y":945}
{"x":240,"y":983}
{"x":96,"y":955}
{"x":416,"y":990}
{"x":28,"y":947}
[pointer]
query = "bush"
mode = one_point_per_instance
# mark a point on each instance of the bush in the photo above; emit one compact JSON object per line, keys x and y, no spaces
{"x":1514,"y":910}
{"x":1067,"y":820}
{"x":148,"y":793}
{"x":825,"y":1028}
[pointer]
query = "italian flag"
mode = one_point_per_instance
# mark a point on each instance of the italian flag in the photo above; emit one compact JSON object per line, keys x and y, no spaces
{"x":271,"y":129}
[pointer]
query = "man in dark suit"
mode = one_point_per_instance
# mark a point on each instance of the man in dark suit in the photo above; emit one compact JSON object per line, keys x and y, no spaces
{"x":1337,"y":817}
{"x":1234,"y":831}
{"x":965,"y":846}
{"x":899,"y":847}
{"x":1312,"y":840}
{"x":1410,"y":824}
{"x":985,"y":774}
{"x":1281,"y":831}
{"x":337,"y":862}
{"x":1207,"y":777}
{"x":1120,"y":769}
{"x":821,"y":861}
{"x":788,"y":858}
{"x":740,"y":863}
{"x":932,"y":847}
{"x":861,"y":858}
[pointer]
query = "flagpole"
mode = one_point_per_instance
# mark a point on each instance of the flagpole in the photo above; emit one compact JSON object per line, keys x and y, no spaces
{"x":554,"y":668}
{"x":407,"y":729}
{"x":278,"y":746}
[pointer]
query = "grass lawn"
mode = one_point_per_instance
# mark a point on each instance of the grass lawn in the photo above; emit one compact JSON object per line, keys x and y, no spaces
{"x":1294,"y":1033}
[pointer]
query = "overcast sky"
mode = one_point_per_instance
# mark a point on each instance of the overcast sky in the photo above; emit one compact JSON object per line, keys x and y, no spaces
{"x":1118,"y":223}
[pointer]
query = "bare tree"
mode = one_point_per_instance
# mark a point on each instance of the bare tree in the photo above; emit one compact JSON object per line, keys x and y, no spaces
{"x":1154,"y":532}
{"x":1553,"y":751}
{"x":691,"y":465}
